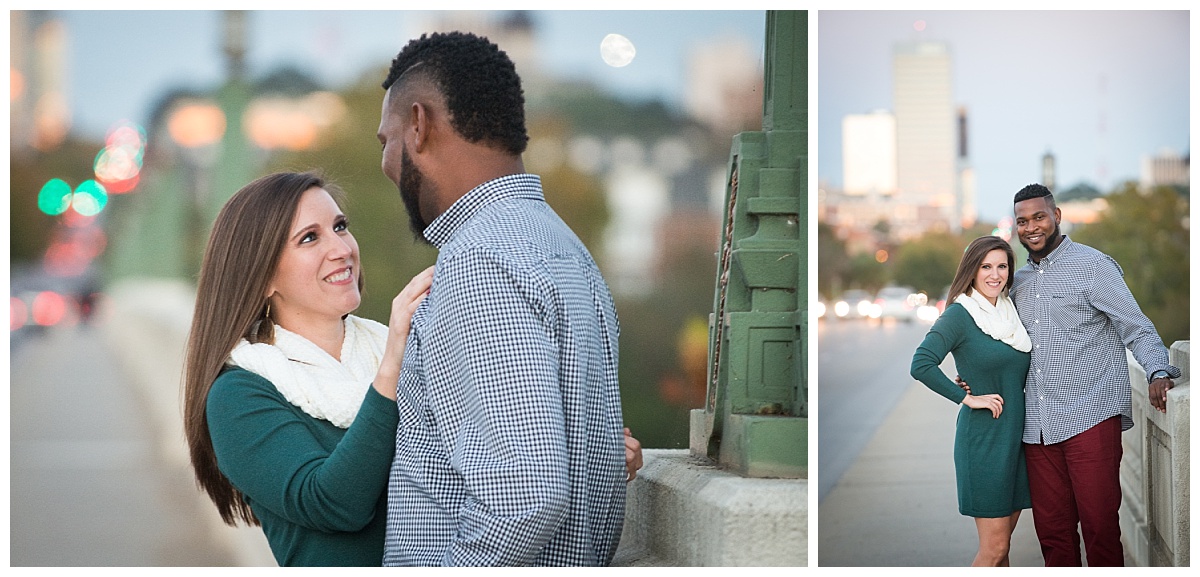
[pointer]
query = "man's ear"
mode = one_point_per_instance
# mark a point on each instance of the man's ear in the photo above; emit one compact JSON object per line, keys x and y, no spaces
{"x":1057,"y":215}
{"x":419,"y":124}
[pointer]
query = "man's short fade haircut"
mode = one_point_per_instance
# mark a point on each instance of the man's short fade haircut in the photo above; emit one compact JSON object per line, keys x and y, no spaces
{"x":1035,"y":191}
{"x":477,"y":79}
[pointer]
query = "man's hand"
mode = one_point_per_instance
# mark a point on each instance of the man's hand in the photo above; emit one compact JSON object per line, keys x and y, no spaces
{"x":633,"y":455}
{"x":1158,"y":392}
{"x":961,"y":383}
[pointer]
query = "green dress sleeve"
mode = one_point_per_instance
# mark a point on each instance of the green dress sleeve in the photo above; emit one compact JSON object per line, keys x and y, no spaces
{"x":294,"y":464}
{"x":945,"y":335}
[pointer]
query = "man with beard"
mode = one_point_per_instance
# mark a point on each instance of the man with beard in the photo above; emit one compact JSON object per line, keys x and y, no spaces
{"x":510,"y":425}
{"x":1080,"y":315}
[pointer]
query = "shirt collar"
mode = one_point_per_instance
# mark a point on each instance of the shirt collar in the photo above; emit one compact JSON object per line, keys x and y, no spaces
{"x":1058,"y":251}
{"x":523,"y":185}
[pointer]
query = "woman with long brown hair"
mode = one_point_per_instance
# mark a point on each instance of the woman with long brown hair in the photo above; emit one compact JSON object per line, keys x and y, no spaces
{"x":290,"y":400}
{"x":991,"y":351}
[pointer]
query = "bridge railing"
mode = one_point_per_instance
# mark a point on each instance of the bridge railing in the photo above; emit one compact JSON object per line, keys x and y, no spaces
{"x":1156,"y":470}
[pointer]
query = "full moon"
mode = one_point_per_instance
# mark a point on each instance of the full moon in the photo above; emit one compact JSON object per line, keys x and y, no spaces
{"x":617,"y":50}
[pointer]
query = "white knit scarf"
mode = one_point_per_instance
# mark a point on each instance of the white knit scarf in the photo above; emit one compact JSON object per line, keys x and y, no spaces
{"x":311,"y":378}
{"x":999,"y":321}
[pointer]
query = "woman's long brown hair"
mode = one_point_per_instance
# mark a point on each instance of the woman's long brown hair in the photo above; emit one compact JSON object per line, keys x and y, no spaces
{"x":239,"y":262}
{"x":971,"y":261}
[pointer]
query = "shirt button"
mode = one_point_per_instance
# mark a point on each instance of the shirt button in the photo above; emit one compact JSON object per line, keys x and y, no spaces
{"x":1039,"y":271}
{"x":1037,"y":346}
{"x":1036,"y":321}
{"x":1037,"y":296}
{"x":1039,"y":370}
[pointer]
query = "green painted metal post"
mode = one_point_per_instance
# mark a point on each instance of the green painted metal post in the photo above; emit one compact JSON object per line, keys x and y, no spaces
{"x":755,"y":421}
{"x":237,"y":163}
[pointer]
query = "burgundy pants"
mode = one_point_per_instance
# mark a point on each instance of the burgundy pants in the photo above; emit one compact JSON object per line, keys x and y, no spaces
{"x":1076,"y":483}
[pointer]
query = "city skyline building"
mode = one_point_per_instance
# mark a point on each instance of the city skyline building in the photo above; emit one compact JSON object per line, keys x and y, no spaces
{"x":966,"y":207}
{"x":908,"y":171}
{"x":925,"y":130}
{"x":869,"y":154}
{"x":1049,"y":171}
{"x":1167,"y":167}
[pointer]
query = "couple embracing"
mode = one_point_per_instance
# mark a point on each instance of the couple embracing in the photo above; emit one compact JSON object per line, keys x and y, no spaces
{"x":482,"y":425}
{"x":1044,"y":386}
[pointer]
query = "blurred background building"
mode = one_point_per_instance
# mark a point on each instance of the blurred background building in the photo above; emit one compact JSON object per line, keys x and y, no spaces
{"x":1165,"y":168}
{"x":907,"y":170}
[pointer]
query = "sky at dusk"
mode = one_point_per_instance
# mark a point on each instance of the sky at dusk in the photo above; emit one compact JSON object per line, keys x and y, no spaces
{"x":1097,"y":89}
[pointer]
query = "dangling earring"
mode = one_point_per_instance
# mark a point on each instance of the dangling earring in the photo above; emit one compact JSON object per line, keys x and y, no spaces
{"x":268,"y":313}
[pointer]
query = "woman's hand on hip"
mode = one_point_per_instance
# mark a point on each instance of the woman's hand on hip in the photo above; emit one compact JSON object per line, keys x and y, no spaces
{"x":993,"y":403}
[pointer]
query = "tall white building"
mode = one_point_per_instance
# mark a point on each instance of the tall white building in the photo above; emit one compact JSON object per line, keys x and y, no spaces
{"x":869,"y":154}
{"x":1165,"y":168}
{"x":925,"y":130}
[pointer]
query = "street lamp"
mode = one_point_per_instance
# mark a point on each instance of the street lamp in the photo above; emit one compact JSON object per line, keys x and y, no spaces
{"x":196,"y":127}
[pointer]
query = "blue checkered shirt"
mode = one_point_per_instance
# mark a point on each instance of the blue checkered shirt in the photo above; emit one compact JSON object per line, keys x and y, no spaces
{"x":509,"y":449}
{"x":1081,"y":317}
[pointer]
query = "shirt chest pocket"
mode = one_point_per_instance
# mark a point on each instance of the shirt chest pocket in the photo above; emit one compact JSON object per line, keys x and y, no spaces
{"x":1068,"y":310}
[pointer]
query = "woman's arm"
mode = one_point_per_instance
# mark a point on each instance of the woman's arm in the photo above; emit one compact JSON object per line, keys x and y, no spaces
{"x":279,"y":457}
{"x":946,"y":335}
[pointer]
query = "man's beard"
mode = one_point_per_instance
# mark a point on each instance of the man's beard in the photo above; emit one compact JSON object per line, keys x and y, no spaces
{"x":411,"y":180}
{"x":1047,"y":247}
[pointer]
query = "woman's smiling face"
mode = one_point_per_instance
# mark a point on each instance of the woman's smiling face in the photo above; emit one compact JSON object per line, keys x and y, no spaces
{"x":992,"y":275}
{"x":317,"y":275}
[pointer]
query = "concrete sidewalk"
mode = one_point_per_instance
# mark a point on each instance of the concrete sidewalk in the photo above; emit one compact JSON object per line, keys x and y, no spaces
{"x":146,"y":329}
{"x":897,"y":505}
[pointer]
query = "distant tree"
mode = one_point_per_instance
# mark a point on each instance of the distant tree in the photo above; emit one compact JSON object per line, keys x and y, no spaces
{"x":1148,"y":236}
{"x":866,"y":273}
{"x":1080,"y":191}
{"x":29,"y":227}
{"x":659,"y":374}
{"x":977,"y":230}
{"x":577,"y":197}
{"x":289,"y":80}
{"x":928,"y":263}
{"x":832,"y":262}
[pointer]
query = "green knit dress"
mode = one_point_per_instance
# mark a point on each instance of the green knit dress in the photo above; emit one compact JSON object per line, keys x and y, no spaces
{"x":989,"y":462}
{"x":317,"y":489}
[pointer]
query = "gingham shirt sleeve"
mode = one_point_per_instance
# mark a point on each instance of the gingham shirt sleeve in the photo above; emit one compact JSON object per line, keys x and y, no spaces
{"x":1110,"y":295}
{"x":493,"y":389}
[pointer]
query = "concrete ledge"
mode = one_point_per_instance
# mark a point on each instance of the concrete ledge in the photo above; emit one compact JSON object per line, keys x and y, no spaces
{"x":1156,"y":470}
{"x":682,"y":511}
